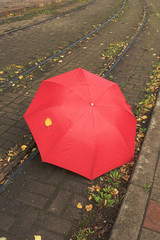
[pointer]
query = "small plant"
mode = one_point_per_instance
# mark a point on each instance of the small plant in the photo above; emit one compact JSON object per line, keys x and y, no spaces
{"x":83,"y":234}
{"x":113,"y":178}
{"x":147,"y":187}
{"x":105,"y":197}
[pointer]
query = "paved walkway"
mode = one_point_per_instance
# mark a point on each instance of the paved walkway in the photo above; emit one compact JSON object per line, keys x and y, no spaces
{"x":139,"y":216}
{"x":42,"y":199}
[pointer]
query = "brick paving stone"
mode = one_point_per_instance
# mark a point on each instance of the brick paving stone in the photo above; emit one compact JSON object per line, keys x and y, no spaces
{"x":9,"y":137}
{"x":10,"y":109}
{"x":13,"y":106}
{"x":20,"y":99}
{"x":40,"y":188}
{"x":3,"y":128}
{"x":7,"y":121}
{"x":2,"y":152}
{"x":12,"y":116}
{"x":56,"y":224}
{"x":152,"y":218}
{"x":6,"y":144}
{"x":31,"y":199}
{"x":22,"y":124}
{"x":5,"y":221}
{"x":60,"y":202}
{"x":17,"y":131}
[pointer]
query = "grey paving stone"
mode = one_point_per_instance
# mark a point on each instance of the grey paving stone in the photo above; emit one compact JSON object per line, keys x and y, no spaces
{"x":6,"y":221}
{"x":31,"y":199}
{"x":73,"y":185}
{"x":156,"y":183}
{"x":46,"y":234}
{"x":40,"y":188}
{"x":61,"y":201}
{"x":155,"y":194}
{"x":59,"y":225}
{"x":23,"y":223}
{"x":149,"y":235}
{"x":57,"y":176}
{"x":40,"y":171}
{"x":158,"y":167}
{"x":130,"y":217}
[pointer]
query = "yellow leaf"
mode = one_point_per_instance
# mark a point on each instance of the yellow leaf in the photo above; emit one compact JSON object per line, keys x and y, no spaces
{"x":48,"y":122}
{"x":90,"y":197}
{"x":79,"y":205}
{"x":23,"y":147}
{"x":144,"y":117}
{"x":11,"y":154}
{"x":89,"y":207}
{"x":3,"y":238}
{"x":19,"y":66}
{"x":115,"y":192}
{"x":20,"y":77}
{"x":1,"y":72}
{"x":37,"y":237}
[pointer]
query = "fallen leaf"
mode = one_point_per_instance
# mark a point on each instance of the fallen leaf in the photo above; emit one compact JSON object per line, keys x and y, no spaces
{"x":79,"y":205}
{"x":126,"y":178}
{"x":90,"y":197}
{"x":23,"y":147}
{"x":34,"y":149}
{"x":1,"y":72}
{"x":89,"y":207}
{"x":8,"y":160}
{"x":115,"y":192}
{"x":92,"y":189}
{"x":37,"y":237}
{"x":3,"y":238}
{"x":20,"y":77}
{"x":48,"y":122}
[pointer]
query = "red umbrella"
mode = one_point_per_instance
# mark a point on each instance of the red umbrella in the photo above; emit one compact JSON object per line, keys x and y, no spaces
{"x":82,"y":122}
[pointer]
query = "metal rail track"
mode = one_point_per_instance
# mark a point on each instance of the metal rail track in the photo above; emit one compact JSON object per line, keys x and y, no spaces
{"x":6,"y":84}
{"x":105,"y":74}
{"x":43,"y":21}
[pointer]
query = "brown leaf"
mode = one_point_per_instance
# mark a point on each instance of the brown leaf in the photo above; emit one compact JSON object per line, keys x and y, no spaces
{"x":89,"y":207}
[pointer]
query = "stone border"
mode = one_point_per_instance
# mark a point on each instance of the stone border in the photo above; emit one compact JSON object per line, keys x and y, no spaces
{"x":131,"y":214}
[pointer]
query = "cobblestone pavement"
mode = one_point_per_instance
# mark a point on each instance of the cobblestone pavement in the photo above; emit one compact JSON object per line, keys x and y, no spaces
{"x":42,"y":199}
{"x":47,"y":37}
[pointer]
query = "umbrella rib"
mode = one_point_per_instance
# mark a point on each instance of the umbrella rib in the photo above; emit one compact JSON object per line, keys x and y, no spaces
{"x":119,"y":134}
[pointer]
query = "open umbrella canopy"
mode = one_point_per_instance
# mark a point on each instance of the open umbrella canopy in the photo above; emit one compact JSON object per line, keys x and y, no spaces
{"x":82,"y":122}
